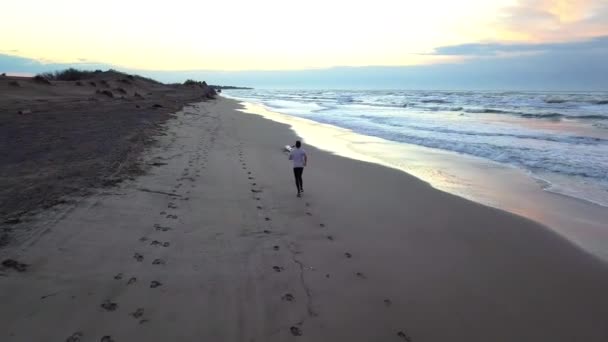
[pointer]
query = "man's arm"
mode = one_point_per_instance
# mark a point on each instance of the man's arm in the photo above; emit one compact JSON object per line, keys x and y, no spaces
{"x":305,"y":159}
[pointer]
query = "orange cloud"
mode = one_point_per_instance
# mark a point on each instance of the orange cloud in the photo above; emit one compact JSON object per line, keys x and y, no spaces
{"x":554,"y":20}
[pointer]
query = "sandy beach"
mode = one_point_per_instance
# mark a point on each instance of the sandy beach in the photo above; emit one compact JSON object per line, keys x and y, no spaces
{"x":210,"y":243}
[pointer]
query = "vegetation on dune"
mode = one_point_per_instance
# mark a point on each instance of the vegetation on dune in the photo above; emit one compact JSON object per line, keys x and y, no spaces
{"x":70,"y":74}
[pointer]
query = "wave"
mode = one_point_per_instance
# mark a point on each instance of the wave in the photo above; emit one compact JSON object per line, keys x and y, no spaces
{"x":434,"y":101}
{"x":555,"y":100}
{"x":543,"y":116}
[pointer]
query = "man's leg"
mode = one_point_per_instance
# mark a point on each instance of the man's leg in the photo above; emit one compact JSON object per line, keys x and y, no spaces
{"x":295,"y":176}
{"x":301,"y":181}
{"x":298,"y":174}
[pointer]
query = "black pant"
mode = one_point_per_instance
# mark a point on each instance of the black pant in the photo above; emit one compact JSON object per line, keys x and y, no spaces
{"x":297,"y":172}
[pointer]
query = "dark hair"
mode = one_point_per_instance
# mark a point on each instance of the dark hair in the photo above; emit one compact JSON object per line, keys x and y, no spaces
{"x":298,"y":144}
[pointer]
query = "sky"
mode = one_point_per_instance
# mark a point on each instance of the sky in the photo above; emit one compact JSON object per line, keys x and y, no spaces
{"x":441,"y":42}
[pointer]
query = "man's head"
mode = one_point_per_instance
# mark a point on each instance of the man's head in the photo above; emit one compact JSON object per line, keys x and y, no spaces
{"x":298,"y":144}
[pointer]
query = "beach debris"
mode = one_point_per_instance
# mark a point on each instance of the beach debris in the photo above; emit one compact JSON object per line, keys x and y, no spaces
{"x":295,"y":331}
{"x":404,"y":336}
{"x":14,"y":264}
{"x":109,"y":306}
{"x":75,"y":337}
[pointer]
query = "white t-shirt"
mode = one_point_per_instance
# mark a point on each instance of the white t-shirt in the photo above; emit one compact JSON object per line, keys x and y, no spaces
{"x":297,"y":155}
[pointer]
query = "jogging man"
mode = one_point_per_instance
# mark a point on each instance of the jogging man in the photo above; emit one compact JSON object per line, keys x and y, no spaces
{"x":298,"y":156}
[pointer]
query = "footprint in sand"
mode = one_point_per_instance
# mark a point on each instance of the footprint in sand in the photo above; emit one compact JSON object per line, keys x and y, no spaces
{"x":75,"y":337}
{"x":267,"y":218}
{"x":288,"y":297}
{"x":138,"y":313}
{"x":109,"y":306}
{"x":276,"y":248}
{"x":132,"y":281}
{"x":348,"y":255}
{"x":388,"y":302}
{"x":163,"y":212}
{"x":309,"y":214}
{"x":250,"y":178}
{"x":118,"y":276}
{"x":277,"y":268}
{"x":404,"y":336}
{"x":107,"y":338}
{"x":172,"y":205}
{"x":158,"y":262}
{"x":143,"y":239}
{"x":266,"y":231}
{"x":329,"y":237}
{"x":360,"y":275}
{"x":161,"y":228}
{"x":259,"y":207}
{"x":155,"y":284}
{"x":257,"y":199}
{"x":321,"y":225}
{"x":138,"y":257}
{"x":170,"y":216}
{"x":295,"y":331}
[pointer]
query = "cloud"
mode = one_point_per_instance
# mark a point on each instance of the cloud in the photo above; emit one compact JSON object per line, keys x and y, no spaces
{"x":497,"y":49}
{"x":555,"y":20}
{"x":15,"y":64}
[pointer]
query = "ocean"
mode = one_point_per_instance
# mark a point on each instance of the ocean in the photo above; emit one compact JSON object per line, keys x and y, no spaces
{"x":560,"y":139}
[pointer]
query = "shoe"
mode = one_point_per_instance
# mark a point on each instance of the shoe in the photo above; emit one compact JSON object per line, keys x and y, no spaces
{"x":299,"y":194}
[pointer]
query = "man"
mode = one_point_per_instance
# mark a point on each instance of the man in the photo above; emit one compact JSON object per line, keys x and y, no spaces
{"x":298,"y":156}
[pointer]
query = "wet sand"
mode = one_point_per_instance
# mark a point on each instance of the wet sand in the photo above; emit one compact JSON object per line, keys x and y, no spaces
{"x":212,"y":244}
{"x":477,"y":179}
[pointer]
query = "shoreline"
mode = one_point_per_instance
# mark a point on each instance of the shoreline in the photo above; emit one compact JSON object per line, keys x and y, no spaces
{"x":214,"y":233}
{"x":483,"y":181}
